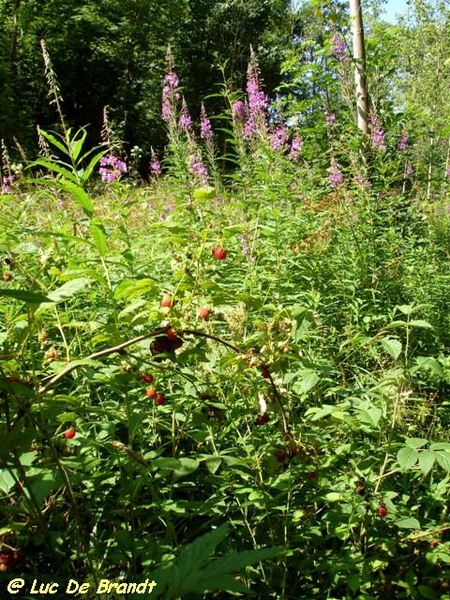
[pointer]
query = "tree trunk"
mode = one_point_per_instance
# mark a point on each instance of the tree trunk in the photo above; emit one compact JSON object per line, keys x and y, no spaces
{"x":359,"y":56}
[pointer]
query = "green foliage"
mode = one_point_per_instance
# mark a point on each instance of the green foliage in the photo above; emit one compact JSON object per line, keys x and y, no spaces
{"x":233,"y":388}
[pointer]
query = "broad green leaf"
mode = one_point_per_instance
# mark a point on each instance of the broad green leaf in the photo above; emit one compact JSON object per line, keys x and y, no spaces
{"x":69,"y":289}
{"x":187,"y":466}
{"x":443,"y":459}
{"x":212,"y":464}
{"x":166,"y":463}
{"x":392,"y":346}
{"x":426,"y":461}
{"x":416,"y":442}
{"x":308,"y":379}
{"x":407,"y":523}
{"x":407,"y":458}
{"x":25,"y":296}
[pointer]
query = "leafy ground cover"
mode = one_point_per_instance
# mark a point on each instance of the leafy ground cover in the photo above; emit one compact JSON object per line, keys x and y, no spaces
{"x":231,"y":381}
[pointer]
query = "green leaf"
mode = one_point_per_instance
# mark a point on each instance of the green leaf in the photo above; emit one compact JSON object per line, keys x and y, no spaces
{"x":307,"y":380}
{"x":213,"y":463}
{"x":239,"y":560}
{"x":392,"y":346}
{"x":407,"y":458}
{"x":443,"y":460}
{"x":421,"y":324}
{"x":426,"y":461}
{"x":69,"y":289}
{"x":187,"y":466}
{"x":99,"y":234}
{"x":53,"y":167}
{"x":25,"y":296}
{"x":407,"y":523}
{"x":416,"y":442}
{"x":79,"y":195}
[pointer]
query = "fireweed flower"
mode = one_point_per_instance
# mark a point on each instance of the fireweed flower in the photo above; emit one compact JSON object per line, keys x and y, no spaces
{"x":258,"y":102}
{"x":338,"y":47}
{"x":335,"y":176}
{"x":238,"y":111}
{"x":279,"y":138}
{"x":198,"y":169}
{"x":206,"y":132}
{"x":155,"y":165}
{"x":330,"y":119}
{"x":409,"y":171}
{"x":403,"y":143}
{"x":185,"y":121}
{"x":377,"y":135}
{"x":111,"y":168}
{"x":170,"y":96}
{"x":296,"y":147}
{"x":6,"y":181}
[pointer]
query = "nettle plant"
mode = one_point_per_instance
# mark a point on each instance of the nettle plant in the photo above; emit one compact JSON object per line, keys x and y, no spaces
{"x":237,"y":393}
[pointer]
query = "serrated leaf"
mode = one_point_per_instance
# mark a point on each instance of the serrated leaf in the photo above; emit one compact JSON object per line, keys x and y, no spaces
{"x":392,"y":346}
{"x":407,"y":458}
{"x":25,"y":296}
{"x":69,"y":289}
{"x":426,"y":461}
{"x":308,"y":379}
{"x":407,"y":523}
{"x":443,"y":460}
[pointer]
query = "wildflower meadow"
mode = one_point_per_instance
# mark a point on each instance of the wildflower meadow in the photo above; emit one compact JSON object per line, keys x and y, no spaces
{"x":227,"y":374}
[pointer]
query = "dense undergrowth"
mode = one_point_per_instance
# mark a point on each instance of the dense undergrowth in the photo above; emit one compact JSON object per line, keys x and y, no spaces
{"x":226,"y":383}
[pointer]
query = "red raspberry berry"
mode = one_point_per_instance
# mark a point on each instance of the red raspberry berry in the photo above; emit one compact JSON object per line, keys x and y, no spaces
{"x":171,"y":334}
{"x":6,"y":558}
{"x":219,"y":253}
{"x":7,"y":276}
{"x":204,"y":313}
{"x":147,"y":378}
{"x":262,"y":419}
{"x":281,"y":456}
{"x":382,"y":511}
{"x":69,"y":433}
{"x":150,"y":392}
{"x":265,"y":372}
{"x":166,"y":303}
{"x":160,"y":400}
{"x":434,"y":543}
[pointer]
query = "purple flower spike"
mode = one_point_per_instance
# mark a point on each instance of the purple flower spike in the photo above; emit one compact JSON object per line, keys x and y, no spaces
{"x":335,"y":176}
{"x":198,"y":169}
{"x":206,"y":132}
{"x":238,"y":111}
{"x":111,"y":168}
{"x":377,"y":135}
{"x":338,"y":47}
{"x":279,"y":138}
